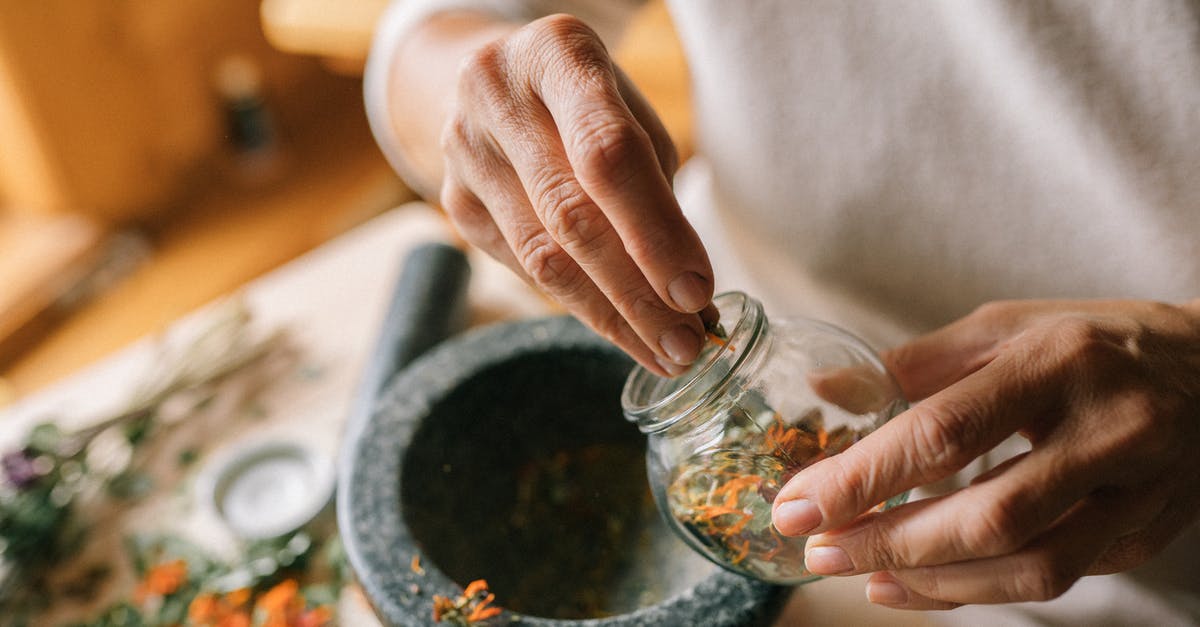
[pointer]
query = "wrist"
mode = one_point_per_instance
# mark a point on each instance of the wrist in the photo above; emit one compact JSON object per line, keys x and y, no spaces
{"x":417,"y":85}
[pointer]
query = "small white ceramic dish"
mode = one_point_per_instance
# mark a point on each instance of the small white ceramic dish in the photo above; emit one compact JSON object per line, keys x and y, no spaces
{"x":268,"y":488}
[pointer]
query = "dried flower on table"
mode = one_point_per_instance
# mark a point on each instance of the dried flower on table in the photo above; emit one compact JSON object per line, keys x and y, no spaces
{"x":161,"y":580}
{"x":181,"y":585}
{"x":58,"y":483}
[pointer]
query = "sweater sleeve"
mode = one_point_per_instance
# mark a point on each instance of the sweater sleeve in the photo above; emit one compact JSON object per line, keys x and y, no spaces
{"x":607,"y":17}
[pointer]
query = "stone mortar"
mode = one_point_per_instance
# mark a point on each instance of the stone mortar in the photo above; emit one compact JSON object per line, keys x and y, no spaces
{"x":433,"y":473}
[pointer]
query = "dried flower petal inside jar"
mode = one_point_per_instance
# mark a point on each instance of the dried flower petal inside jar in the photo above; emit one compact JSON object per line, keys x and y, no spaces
{"x":761,"y":403}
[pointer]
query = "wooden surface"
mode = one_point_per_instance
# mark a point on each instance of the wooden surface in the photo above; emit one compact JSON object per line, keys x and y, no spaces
{"x":336,"y":177}
{"x":110,"y":108}
{"x":330,"y":302}
{"x":334,"y":29}
{"x":44,"y":260}
{"x":332,"y":178}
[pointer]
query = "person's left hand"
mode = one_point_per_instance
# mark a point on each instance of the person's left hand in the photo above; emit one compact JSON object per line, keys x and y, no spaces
{"x":1108,"y":395}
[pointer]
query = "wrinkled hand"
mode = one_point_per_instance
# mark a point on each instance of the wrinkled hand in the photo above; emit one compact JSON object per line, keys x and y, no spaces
{"x":556,"y":166}
{"x":1108,"y":395}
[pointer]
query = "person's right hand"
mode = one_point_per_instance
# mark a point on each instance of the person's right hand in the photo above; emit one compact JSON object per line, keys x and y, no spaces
{"x":556,"y":166}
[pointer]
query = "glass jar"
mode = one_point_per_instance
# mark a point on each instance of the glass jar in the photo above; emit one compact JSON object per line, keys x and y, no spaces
{"x":761,"y":402}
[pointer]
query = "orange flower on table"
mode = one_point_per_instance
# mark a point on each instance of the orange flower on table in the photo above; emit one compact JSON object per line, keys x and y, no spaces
{"x":239,"y":619}
{"x":280,"y":606}
{"x":205,"y":608}
{"x":161,"y":580}
{"x":212,"y":610}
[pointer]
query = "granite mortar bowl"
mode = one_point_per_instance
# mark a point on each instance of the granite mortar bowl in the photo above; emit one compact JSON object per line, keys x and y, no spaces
{"x":503,"y":455}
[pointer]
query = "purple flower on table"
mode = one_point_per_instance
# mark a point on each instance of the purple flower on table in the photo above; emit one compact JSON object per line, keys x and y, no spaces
{"x":19,"y":469}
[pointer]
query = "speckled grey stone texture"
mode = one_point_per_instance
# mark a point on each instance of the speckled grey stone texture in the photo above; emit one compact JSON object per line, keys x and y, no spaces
{"x":555,"y":363}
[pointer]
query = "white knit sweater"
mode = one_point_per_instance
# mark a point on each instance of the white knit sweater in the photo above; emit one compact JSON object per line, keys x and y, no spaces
{"x":889,"y":166}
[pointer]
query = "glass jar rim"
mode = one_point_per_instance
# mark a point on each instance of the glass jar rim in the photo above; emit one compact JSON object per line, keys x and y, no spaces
{"x":649,"y":410}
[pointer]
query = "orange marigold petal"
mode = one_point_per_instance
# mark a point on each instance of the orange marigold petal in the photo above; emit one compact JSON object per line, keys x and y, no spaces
{"x":712,"y":511}
{"x":479,"y":585}
{"x":739,"y":525}
{"x":239,"y":619}
{"x":238,"y":598}
{"x":483,"y":613}
{"x":203,"y":608}
{"x":489,"y":612}
{"x":277,"y":599}
{"x":164,"y":578}
{"x":440,"y":605}
{"x":743,"y":551}
{"x":481,"y":609}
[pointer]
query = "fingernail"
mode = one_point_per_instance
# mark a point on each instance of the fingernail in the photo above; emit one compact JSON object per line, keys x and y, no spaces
{"x":793,"y":518}
{"x":681,"y":344}
{"x":886,"y":593}
{"x":827,"y":560}
{"x":689,"y":291}
{"x":672,"y":369}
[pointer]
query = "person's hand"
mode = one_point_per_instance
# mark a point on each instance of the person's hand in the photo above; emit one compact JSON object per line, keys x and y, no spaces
{"x":556,"y":166}
{"x":1108,"y":395}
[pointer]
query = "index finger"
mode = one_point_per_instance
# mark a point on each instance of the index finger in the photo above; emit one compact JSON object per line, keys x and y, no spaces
{"x":615,"y":162}
{"x":930,"y":441}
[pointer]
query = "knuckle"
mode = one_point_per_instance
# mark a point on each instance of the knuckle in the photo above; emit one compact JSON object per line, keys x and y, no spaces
{"x":1083,"y":342}
{"x":607,"y":148}
{"x":1045,"y":577}
{"x":993,"y":311}
{"x":484,"y":84}
{"x":611,"y":327}
{"x":1158,"y":310}
{"x":943,"y":438}
{"x":1126,"y":553}
{"x":482,"y":67}
{"x":851,"y":482}
{"x":1141,"y":428}
{"x":928,"y":581}
{"x":455,"y":134}
{"x":565,"y":32}
{"x":472,"y":219}
{"x":994,"y":529}
{"x":881,"y":550}
{"x":458,"y":205}
{"x":872,"y":555}
{"x":467,"y":153}
{"x":548,"y":264}
{"x":568,"y":213}
{"x":652,"y":244}
{"x":640,"y":304}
